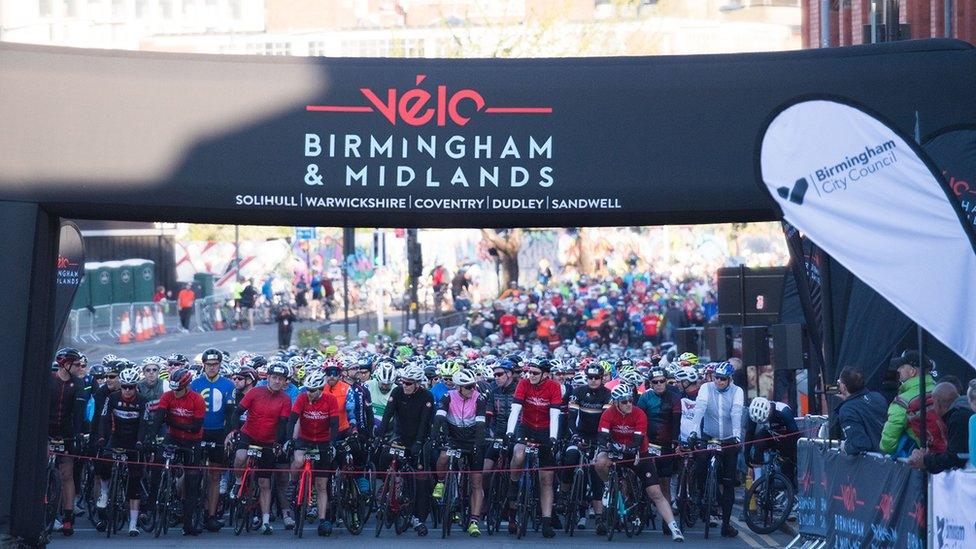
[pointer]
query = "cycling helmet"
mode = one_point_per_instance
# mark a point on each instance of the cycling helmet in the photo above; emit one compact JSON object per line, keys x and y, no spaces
{"x":657,"y":372}
{"x":130,"y":376}
{"x":385,"y":374}
{"x":620,"y":392}
{"x":247,"y":371}
{"x":631,"y":377}
{"x":116,"y":366}
{"x":485,"y":370}
{"x":279,"y":368}
{"x":226,"y":370}
{"x":258,"y":362}
{"x":579,"y":379}
{"x":625,"y":364}
{"x":314,"y":380}
{"x":686,"y":374}
{"x":178,"y":360}
{"x":154,"y":360}
{"x":724,"y":369}
{"x":759,"y":409}
{"x":688,"y":359}
{"x":108,"y":358}
{"x":97,"y":370}
{"x":67,"y":356}
{"x":594,"y":371}
{"x":448,"y":369}
{"x":413,"y":373}
{"x":463,"y":378}
{"x":211,"y":355}
{"x":180,"y":379}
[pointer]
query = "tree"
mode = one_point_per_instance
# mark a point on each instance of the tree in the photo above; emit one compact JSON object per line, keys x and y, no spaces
{"x":507,"y":242}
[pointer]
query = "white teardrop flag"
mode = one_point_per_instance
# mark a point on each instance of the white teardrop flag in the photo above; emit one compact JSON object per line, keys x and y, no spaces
{"x":871,"y":199}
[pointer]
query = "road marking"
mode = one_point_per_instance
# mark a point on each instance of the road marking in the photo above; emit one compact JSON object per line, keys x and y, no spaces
{"x":746,"y":537}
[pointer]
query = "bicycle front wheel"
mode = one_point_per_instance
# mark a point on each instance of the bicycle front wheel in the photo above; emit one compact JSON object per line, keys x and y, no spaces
{"x":524,"y":505}
{"x":768,"y":503}
{"x":52,"y":499}
{"x":162,"y":504}
{"x":610,"y":507}
{"x":383,"y":500}
{"x":711,"y":497}
{"x":576,"y":505}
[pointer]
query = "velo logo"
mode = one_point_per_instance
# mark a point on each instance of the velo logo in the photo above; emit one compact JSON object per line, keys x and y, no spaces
{"x":796,"y":194}
{"x":418,"y":106}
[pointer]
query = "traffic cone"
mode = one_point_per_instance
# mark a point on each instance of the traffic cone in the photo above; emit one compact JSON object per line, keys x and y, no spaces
{"x":148,"y":322}
{"x":160,"y":322}
{"x":140,"y":331}
{"x":125,"y":328}
{"x":218,"y":319}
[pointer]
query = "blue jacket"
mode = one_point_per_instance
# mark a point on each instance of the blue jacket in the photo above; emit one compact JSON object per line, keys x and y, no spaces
{"x":219,"y":396}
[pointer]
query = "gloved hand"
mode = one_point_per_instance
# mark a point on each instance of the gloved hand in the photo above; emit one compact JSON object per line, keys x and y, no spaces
{"x":552,"y":442}
{"x":417,"y":448}
{"x":508,"y":438}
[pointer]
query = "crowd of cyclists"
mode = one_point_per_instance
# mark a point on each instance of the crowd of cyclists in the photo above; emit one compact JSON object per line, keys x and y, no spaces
{"x":405,"y":434}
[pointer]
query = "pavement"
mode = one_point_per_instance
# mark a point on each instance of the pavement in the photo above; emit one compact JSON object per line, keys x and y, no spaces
{"x":88,"y":537}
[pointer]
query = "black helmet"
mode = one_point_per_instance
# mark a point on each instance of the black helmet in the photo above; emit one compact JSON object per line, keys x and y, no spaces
{"x":278,"y":368}
{"x":176,"y":359}
{"x":67,"y":356}
{"x":247,"y":371}
{"x":116,"y":366}
{"x":211,"y":355}
{"x":258,"y":362}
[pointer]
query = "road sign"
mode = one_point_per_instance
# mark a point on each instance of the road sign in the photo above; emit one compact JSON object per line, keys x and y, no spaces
{"x":304,"y":233}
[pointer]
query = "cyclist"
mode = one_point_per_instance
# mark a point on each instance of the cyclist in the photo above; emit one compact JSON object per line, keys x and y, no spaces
{"x":67,"y":400}
{"x":774,"y":420}
{"x":463,"y":410}
{"x":268,"y":409}
{"x":719,"y":404}
{"x":663,"y":410}
{"x":314,"y":423}
{"x":586,"y":405}
{"x":537,"y":401}
{"x":244,"y":379}
{"x":446,"y":372}
{"x":218,"y":393}
{"x":409,"y":410}
{"x":380,"y":388}
{"x":152,"y":387}
{"x":622,"y":426}
{"x":359,"y":409}
{"x":182,"y":411}
{"x":118,"y":424}
{"x":688,"y":384}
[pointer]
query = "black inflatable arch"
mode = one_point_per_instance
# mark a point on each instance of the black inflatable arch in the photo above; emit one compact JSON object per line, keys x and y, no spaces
{"x":391,"y":143}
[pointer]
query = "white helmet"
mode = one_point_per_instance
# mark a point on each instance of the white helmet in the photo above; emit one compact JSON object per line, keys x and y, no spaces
{"x":362,"y":334}
{"x":156,"y":360}
{"x":759,"y":409}
{"x":579,"y":379}
{"x":631,"y":377}
{"x":686,"y":373}
{"x":413,"y":373}
{"x":129,"y":376}
{"x":385,"y":374}
{"x":463,"y":377}
{"x":315,"y":379}
{"x":621,"y":391}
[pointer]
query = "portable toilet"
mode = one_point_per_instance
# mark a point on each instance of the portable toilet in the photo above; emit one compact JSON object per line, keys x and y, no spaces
{"x":144,"y":273}
{"x":122,"y":282}
{"x":101,"y":283}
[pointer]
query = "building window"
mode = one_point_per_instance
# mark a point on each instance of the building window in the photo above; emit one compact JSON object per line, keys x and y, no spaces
{"x":317,"y":49}
{"x":270,"y":48}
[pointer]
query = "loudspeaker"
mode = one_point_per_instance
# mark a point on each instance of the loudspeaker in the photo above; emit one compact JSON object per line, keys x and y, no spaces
{"x":755,"y":346}
{"x":762,"y":289}
{"x":686,"y":339}
{"x":718,"y":341}
{"x":790,"y":350}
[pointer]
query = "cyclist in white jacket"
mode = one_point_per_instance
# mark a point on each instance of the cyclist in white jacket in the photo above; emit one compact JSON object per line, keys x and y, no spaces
{"x":718,"y":410}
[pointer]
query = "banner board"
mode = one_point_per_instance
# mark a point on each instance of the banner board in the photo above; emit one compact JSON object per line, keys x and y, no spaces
{"x":953,"y":499}
{"x":71,"y":268}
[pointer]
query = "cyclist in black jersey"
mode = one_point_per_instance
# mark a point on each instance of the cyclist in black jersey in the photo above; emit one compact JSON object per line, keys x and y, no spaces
{"x":66,"y":413}
{"x":586,"y":405}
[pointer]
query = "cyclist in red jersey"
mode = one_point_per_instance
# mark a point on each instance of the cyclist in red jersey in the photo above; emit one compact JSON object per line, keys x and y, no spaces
{"x":314,"y":423}
{"x":267,"y":408}
{"x":623,"y":426}
{"x":182,"y":411}
{"x":537,"y":401}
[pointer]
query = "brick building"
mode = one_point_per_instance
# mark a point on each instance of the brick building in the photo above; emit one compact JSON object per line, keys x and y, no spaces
{"x":848,"y":19}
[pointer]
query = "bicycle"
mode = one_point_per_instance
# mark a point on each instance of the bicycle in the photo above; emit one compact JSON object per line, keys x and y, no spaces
{"x":455,"y":489}
{"x":304,"y":493}
{"x":622,"y":502}
{"x":769,"y":501}
{"x":688,"y":493}
{"x":527,"y":501}
{"x":166,"y":511}
{"x":223,"y":499}
{"x":245,"y":511}
{"x":118,"y":501}
{"x":52,"y":490}
{"x":395,"y":498}
{"x":496,"y":490}
{"x":710,"y":501}
{"x":578,"y":500}
{"x":344,"y":493}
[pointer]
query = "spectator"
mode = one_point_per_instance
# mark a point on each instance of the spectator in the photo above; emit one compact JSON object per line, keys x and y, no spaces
{"x":861,"y":413}
{"x":956,"y":422}
{"x":185,"y":300}
{"x":431,"y":331}
{"x":315,"y":305}
{"x":908,"y":370}
{"x":285,"y":319}
{"x":963,"y":400}
{"x":159,"y":295}
{"x":301,"y":297}
{"x":249,"y":296}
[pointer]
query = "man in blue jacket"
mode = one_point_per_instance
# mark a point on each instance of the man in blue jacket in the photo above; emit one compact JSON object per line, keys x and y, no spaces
{"x":218,"y":394}
{"x":861,"y":414}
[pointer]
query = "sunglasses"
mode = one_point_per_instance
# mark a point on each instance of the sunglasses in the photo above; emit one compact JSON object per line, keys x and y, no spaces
{"x":499,"y":374}
{"x":313,"y":391}
{"x":721,"y":378}
{"x":128,"y":387}
{"x":112,"y":376}
{"x":237,"y":378}
{"x":407,"y":383}
{"x":658,"y":381}
{"x":469,"y":387}
{"x":150,"y":370}
{"x":535,"y":373}
{"x":625,"y":401}
{"x":594,"y":377}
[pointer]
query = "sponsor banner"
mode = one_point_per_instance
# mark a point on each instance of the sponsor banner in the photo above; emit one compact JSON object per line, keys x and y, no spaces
{"x":858,"y":501}
{"x":869,"y":198}
{"x":953,"y":496}
{"x":954,"y":151}
{"x":70,"y":269}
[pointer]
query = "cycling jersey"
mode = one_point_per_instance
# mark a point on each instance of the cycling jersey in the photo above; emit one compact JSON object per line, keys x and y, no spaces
{"x":585,"y":408}
{"x":182,"y":413}
{"x":66,"y":407}
{"x":120,"y":419}
{"x":314,"y":418}
{"x":100,"y":396}
{"x":622,"y":429}
{"x":359,"y":408}
{"x":339,"y":391}
{"x":465,"y":417}
{"x":152,"y":392}
{"x":439,"y":390}
{"x":721,"y":411}
{"x":378,"y":398}
{"x":536,"y":401}
{"x":219,"y":396}
{"x":412,"y":412}
{"x":265,"y":410}
{"x":290,"y":389}
{"x":686,"y":406}
{"x":663,"y":413}
{"x":780,"y":423}
{"x":500,"y":406}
